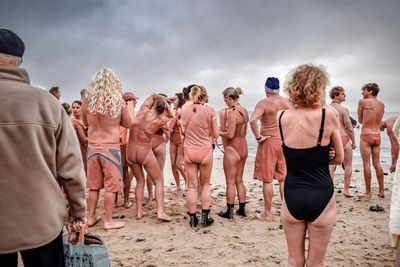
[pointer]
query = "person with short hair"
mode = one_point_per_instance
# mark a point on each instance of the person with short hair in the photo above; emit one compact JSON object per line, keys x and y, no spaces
{"x":370,"y":114}
{"x":153,"y":114}
{"x":270,"y":162}
{"x":104,"y":111}
{"x":338,"y":96}
{"x":55,"y":91}
{"x":35,"y":131}
{"x":233,"y":128}
{"x":307,"y":130}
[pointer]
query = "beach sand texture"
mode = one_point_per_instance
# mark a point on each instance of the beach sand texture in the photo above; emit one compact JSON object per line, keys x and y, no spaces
{"x":360,"y":236}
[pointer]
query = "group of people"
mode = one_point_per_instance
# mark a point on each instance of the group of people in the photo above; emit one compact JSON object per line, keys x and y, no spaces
{"x":299,"y":138}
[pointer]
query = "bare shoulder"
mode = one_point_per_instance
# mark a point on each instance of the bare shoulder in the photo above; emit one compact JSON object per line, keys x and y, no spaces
{"x":331,"y":114}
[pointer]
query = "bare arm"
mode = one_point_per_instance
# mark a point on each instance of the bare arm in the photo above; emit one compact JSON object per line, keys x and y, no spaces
{"x":148,"y":103}
{"x":166,"y":132}
{"x":214,"y":127}
{"x":359,"y":111}
{"x":126,"y":120}
{"x":257,"y":114}
{"x":395,"y":149}
{"x":231,"y":127}
{"x":336,"y":143}
{"x":349,"y":127}
{"x":81,"y":135}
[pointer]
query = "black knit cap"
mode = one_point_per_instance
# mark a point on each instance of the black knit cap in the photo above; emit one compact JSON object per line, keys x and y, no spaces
{"x":11,"y":44}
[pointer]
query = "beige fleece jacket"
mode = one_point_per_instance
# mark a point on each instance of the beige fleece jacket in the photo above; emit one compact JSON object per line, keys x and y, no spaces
{"x":39,"y":152}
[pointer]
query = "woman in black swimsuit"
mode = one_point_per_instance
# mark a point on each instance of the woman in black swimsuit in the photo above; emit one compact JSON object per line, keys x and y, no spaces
{"x":307,"y":131}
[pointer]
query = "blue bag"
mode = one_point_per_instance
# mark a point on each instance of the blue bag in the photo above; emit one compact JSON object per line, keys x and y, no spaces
{"x":85,"y":250}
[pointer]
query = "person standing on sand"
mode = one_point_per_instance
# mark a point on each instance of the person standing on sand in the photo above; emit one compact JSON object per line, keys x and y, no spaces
{"x":80,"y":129}
{"x":270,"y":162}
{"x":103,"y":111}
{"x":307,"y":130}
{"x":39,"y":155}
{"x":153,"y":114}
{"x":233,"y":130}
{"x":370,"y":114}
{"x":394,"y":141}
{"x":346,"y":134}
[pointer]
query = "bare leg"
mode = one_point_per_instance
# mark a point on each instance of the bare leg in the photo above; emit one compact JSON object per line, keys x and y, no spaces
{"x":205,"y":174}
{"x":180,"y":166}
{"x":191,"y":170}
{"x":319,"y":233}
{"x":295,"y":232}
{"x":231,"y":162}
{"x":241,"y":189}
{"x":268,"y":193}
{"x":153,"y":169}
{"x":92,"y":204}
{"x":109,"y":198}
{"x":175,"y":171}
{"x":281,"y":186}
{"x":348,"y":160}
{"x":149,"y":183}
{"x":139,"y":191}
{"x":332,"y":169}
{"x":378,"y":169}
{"x":127,"y":187}
{"x":365,"y":150}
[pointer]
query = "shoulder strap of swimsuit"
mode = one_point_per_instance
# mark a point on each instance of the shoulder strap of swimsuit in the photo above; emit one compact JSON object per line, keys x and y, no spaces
{"x":280,"y":126}
{"x":321,"y":130}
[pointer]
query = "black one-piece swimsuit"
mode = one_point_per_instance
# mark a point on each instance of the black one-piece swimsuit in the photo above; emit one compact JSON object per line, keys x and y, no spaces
{"x":308,"y":185}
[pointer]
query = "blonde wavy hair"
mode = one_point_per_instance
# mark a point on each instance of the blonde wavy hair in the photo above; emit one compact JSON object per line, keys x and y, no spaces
{"x":198,"y":93}
{"x":305,"y":86}
{"x":104,"y":93}
{"x":232,"y":92}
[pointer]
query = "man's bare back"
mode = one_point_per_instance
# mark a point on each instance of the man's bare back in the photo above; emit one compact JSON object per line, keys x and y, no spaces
{"x":344,"y":119}
{"x":370,"y":114}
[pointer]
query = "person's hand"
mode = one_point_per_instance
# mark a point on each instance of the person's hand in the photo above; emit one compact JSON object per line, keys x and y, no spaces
{"x":75,"y":224}
{"x":263,"y":138}
{"x":393,"y":168}
{"x":332,"y":153}
{"x":353,"y":146}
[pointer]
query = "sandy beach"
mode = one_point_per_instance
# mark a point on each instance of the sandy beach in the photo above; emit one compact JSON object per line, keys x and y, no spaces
{"x":360,"y":236}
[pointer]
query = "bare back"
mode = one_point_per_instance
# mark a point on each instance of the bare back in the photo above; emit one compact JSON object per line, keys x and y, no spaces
{"x":370,"y":114}
{"x":266,"y":111}
{"x":146,"y":123}
{"x":344,"y":118}
{"x":104,"y":128}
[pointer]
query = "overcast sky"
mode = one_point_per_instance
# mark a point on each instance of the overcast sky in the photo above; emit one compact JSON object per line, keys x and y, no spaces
{"x":161,"y":46}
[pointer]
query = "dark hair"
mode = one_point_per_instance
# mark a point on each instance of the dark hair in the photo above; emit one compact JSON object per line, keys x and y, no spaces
{"x":186,"y":91}
{"x":160,"y":106}
{"x":372,"y":87}
{"x":77,"y":102}
{"x":163,"y":94}
{"x":181,"y":100}
{"x":67,"y":108}
{"x":54,"y":89}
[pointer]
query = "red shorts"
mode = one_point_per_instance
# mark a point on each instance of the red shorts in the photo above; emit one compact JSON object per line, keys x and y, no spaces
{"x":104,"y":167}
{"x":270,"y":162}
{"x":371,"y":139}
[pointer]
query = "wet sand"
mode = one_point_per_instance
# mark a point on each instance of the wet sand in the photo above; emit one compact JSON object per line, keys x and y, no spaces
{"x":360,"y":236}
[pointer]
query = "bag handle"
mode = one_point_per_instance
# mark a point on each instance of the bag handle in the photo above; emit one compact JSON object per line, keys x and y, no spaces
{"x":81,"y":234}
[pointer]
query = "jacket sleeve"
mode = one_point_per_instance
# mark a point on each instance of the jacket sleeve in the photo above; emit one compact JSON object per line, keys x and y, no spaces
{"x":69,"y":164}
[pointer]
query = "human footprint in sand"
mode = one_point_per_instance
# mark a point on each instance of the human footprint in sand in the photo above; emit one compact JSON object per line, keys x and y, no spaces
{"x":154,"y":113}
{"x":104,"y":111}
{"x":270,"y":163}
{"x":370,"y":114}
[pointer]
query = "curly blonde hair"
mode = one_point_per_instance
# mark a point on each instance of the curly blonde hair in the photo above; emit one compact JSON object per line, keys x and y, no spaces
{"x":104,"y":93}
{"x":232,"y":92}
{"x":305,"y":86}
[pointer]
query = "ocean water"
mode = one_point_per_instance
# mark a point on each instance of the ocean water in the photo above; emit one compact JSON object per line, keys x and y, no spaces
{"x":385,"y":143}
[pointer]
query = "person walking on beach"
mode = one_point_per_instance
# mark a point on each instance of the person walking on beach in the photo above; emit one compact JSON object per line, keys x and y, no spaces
{"x":233,"y":130}
{"x":200,"y":124}
{"x":103,"y":111}
{"x":370,"y":114}
{"x":394,"y":141}
{"x":36,"y":132}
{"x":270,"y":161}
{"x":153,"y":114}
{"x":307,"y":130}
{"x":338,"y":96}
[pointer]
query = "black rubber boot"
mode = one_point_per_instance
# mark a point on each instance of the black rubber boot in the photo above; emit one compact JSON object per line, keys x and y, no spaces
{"x":193,"y":219}
{"x":241,"y":211}
{"x":228,"y":213}
{"x":204,"y":218}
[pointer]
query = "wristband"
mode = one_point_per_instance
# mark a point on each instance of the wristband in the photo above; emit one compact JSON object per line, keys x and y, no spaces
{"x":258,"y":139}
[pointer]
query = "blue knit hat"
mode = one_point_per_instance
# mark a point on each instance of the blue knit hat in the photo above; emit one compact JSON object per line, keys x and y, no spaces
{"x":11,"y":43}
{"x":272,"y":85}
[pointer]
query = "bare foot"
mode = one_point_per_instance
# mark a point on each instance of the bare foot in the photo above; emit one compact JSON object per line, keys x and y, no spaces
{"x":346,"y":193}
{"x":163,"y":217}
{"x":140,"y":215}
{"x":93,"y":221}
{"x":265,"y":217}
{"x":381,"y":195}
{"x":177,"y":189}
{"x":127,"y":205}
{"x":113,"y":225}
{"x":364,"y":195}
{"x":151,"y":198}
